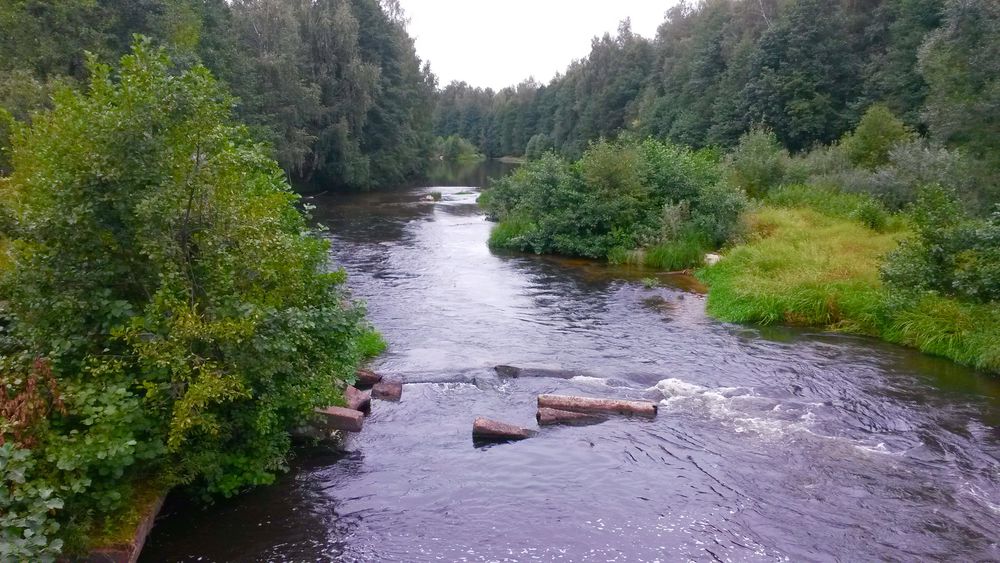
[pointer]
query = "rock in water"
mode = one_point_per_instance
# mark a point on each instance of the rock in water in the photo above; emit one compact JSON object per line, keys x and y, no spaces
{"x":486,"y":430}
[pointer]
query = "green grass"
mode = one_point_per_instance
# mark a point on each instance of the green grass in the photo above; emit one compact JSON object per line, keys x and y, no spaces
{"x":806,"y":268}
{"x":372,"y":344}
{"x":510,"y":232}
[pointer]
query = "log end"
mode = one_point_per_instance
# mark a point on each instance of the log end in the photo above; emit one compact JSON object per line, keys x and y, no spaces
{"x":365,"y":378}
{"x":488,"y":431}
{"x":340,"y":418}
{"x":358,"y":400}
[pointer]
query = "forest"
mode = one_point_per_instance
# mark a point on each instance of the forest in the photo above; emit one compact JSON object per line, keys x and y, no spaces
{"x":168,"y":311}
{"x":333,"y":87}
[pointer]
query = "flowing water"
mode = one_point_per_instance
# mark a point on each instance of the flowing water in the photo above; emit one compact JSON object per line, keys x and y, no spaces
{"x":769,"y":445}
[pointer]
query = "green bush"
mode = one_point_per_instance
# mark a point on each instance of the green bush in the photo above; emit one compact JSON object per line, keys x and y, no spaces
{"x":163,"y":276}
{"x":455,"y":149}
{"x":758,"y":163}
{"x":620,"y":196}
{"x":949,"y":254}
{"x":877,"y":133}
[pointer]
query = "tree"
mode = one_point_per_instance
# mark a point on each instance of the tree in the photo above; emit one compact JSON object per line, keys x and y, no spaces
{"x":164,"y":278}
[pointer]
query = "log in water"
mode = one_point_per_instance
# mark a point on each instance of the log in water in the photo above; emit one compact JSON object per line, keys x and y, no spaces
{"x":592,"y":405}
{"x":486,"y":430}
{"x":549,"y":417}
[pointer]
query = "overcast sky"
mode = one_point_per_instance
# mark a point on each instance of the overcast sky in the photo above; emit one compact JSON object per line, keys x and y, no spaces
{"x":497,"y":44}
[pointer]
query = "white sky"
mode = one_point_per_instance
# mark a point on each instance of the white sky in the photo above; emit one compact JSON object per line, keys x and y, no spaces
{"x":497,"y":44}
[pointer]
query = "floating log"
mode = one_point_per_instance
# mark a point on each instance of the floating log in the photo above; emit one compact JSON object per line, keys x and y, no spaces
{"x":486,"y":430}
{"x":548,"y":417}
{"x":591,"y":405}
{"x":512,"y":372}
{"x":339,"y":418}
{"x":357,"y":399}
{"x":388,"y":391}
{"x":366,"y":378}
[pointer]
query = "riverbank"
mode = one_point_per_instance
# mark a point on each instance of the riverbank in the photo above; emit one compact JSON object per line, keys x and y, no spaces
{"x":803,"y":267}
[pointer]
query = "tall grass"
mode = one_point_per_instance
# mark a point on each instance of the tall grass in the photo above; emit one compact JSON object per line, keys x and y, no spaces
{"x":803,"y":267}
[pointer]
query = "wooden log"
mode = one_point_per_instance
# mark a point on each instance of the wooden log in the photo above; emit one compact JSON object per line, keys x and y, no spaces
{"x":514,"y":372}
{"x":388,"y":391}
{"x":366,"y":378}
{"x":339,"y":418}
{"x":548,"y":417}
{"x":357,"y":399}
{"x":486,"y":430}
{"x":591,"y":405}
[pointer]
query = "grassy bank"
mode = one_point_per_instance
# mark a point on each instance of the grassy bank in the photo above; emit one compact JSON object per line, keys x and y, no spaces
{"x":804,"y":267}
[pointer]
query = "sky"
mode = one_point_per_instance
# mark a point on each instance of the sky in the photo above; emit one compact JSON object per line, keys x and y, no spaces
{"x":498,"y":43}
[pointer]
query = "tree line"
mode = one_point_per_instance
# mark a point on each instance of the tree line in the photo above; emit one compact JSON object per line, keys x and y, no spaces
{"x":334,"y":87}
{"x":805,"y":69}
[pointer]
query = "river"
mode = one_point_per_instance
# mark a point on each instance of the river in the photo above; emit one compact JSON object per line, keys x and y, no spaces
{"x":770,"y":444}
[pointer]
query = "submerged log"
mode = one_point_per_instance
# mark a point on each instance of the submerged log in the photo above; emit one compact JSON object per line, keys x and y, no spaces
{"x":548,"y":417}
{"x":513,"y":372}
{"x":486,"y":430}
{"x":357,"y":399}
{"x":591,"y":405}
{"x":388,"y":391}
{"x":366,"y":378}
{"x":339,"y":418}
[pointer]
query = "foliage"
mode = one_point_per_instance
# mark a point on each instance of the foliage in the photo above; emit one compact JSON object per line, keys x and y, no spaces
{"x":758,"y":163}
{"x":333,"y":86}
{"x":620,"y":196}
{"x":878,"y":132}
{"x":163,"y":274}
{"x":803,"y":267}
{"x":950,"y":254}
{"x":538,"y":145}
{"x":455,"y":149}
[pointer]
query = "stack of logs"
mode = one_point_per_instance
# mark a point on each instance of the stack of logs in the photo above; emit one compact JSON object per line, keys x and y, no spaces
{"x":561,"y":409}
{"x":368,"y":386}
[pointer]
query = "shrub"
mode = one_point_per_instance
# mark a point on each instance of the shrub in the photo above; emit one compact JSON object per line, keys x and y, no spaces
{"x":163,"y":274}
{"x":877,"y":133}
{"x":915,"y":164}
{"x":620,"y":196}
{"x":758,"y":163}
{"x":949,"y":254}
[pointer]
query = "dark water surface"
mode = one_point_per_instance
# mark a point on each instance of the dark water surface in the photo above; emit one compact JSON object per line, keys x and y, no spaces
{"x":770,"y":444}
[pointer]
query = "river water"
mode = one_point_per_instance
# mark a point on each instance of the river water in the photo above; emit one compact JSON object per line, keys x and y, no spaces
{"x":769,"y":445}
